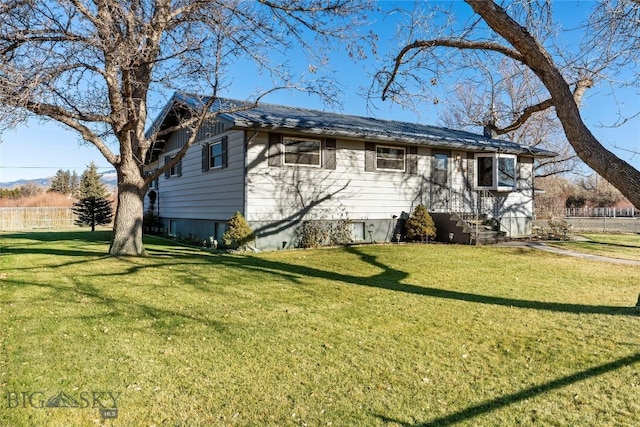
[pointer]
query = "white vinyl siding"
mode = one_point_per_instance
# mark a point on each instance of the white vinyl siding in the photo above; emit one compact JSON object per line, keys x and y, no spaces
{"x":281,"y":197}
{"x":197,"y":195}
{"x":281,"y":194}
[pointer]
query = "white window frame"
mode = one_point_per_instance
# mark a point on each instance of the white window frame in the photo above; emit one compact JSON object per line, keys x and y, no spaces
{"x":153,"y":185}
{"x":289,"y":141}
{"x":210,"y":157}
{"x":495,"y":172}
{"x":173,"y":170}
{"x":445,"y":157}
{"x":404,"y":158}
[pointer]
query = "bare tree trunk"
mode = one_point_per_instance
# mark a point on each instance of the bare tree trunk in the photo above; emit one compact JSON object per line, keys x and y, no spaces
{"x":619,"y":173}
{"x":616,"y":171}
{"x":127,"y":227}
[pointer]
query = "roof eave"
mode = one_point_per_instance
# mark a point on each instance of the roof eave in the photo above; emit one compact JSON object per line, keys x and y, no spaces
{"x":470,"y":145}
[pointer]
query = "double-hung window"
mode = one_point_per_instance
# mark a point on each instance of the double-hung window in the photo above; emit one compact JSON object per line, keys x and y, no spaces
{"x":302,"y":151}
{"x":440,"y":171}
{"x":390,"y":158}
{"x":214,"y":155}
{"x":495,"y":172}
{"x":175,"y":170}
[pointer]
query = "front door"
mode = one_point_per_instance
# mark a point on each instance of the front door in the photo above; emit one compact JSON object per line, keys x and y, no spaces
{"x":440,"y":188}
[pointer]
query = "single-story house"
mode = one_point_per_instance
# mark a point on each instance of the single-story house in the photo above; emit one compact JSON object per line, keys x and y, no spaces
{"x":281,"y":166}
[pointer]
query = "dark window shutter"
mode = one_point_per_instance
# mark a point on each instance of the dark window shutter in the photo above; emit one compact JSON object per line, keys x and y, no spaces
{"x":469,"y":169}
{"x":329,"y":155}
{"x":224,"y":151}
{"x":205,"y":158}
{"x":412,"y":160}
{"x":369,"y":157}
{"x":167,"y":173}
{"x":179,"y":168}
{"x":275,"y":149}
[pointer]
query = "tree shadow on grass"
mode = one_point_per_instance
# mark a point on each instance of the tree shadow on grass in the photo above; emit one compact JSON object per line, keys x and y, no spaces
{"x":59,"y":236}
{"x":612,"y":244}
{"x":165,"y":320}
{"x":79,"y":244}
{"x":389,"y":278}
{"x":528,"y":393}
{"x":392,"y":279}
{"x":67,"y":243}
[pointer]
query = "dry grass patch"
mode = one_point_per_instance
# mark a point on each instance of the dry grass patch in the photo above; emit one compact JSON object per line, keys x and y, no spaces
{"x":48,"y":199}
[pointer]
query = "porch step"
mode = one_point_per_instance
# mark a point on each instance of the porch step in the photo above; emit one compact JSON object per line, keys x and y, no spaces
{"x":451,"y":228}
{"x":454,"y":228}
{"x":489,"y":237}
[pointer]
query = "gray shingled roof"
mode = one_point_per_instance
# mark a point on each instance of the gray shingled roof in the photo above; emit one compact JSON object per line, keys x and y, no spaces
{"x":280,"y":117}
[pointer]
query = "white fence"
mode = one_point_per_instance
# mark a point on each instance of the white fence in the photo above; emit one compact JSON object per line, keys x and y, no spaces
{"x":14,"y":219}
{"x":602,"y":212}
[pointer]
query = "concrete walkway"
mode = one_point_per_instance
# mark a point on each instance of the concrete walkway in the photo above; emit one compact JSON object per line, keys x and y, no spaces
{"x":543,"y":247}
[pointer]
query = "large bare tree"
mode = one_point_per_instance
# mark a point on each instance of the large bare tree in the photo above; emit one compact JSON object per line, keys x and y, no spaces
{"x":490,"y":102}
{"x":523,"y":34}
{"x":99,"y":66}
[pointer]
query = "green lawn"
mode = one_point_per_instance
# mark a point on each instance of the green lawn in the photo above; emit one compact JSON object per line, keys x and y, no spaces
{"x":624,"y":246}
{"x":397,"y":335}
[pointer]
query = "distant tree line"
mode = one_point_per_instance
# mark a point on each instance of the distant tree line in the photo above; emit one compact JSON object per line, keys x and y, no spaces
{"x":10,"y":193}
{"x":26,"y":190}
{"x":556,"y":194}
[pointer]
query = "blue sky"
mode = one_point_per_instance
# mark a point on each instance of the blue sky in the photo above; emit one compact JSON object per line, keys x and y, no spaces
{"x":37,"y":149}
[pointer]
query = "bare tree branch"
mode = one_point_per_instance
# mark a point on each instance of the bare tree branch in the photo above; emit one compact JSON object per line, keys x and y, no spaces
{"x":95,"y":65}
{"x":452,"y":43}
{"x":622,"y":175}
{"x":612,"y":46}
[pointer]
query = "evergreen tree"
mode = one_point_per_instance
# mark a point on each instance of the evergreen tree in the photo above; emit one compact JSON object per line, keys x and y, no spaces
{"x":90,"y":184}
{"x":93,"y":208}
{"x":420,"y":225}
{"x":74,"y":184}
{"x":60,"y":182}
{"x":239,"y":233}
{"x":65,"y":182}
{"x":93,"y":211}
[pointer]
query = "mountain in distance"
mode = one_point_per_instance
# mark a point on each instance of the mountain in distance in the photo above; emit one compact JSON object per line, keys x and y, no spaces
{"x":40,"y":182}
{"x":109,"y":179}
